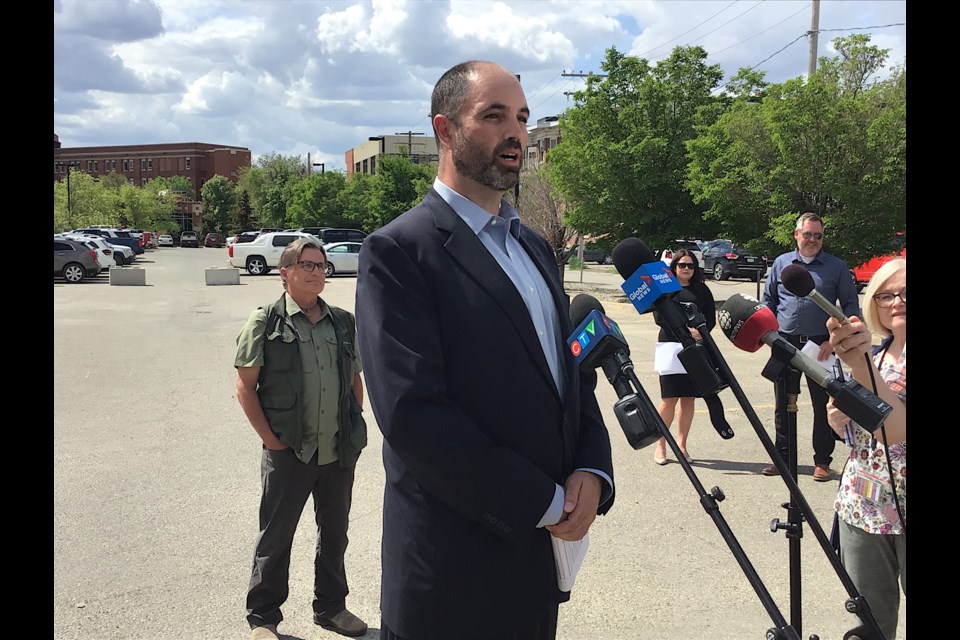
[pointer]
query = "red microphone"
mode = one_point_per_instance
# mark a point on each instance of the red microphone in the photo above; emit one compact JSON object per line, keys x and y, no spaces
{"x":748,"y":324}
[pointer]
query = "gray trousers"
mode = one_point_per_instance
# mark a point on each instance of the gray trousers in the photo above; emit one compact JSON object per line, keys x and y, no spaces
{"x":877,"y":564}
{"x":286,"y":483}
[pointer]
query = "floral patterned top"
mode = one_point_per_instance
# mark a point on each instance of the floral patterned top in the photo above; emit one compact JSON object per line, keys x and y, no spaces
{"x":865,"y":499}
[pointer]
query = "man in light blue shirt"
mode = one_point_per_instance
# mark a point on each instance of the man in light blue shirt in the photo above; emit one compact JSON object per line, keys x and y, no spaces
{"x":802,"y":321}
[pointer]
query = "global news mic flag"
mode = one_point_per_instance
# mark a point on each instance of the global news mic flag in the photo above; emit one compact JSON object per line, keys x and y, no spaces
{"x":648,"y":283}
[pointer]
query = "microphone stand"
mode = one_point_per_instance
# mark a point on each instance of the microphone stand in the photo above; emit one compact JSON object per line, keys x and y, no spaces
{"x":798,"y":508}
{"x":787,"y":385}
{"x":635,"y":408}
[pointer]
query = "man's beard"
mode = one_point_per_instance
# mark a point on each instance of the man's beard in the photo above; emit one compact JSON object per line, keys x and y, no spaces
{"x":470,"y":161}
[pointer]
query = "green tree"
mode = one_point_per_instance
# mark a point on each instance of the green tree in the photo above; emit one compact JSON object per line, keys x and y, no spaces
{"x":219,"y":201}
{"x":356,"y":202}
{"x":266,"y":184}
{"x":622,"y":163}
{"x":243,"y":215}
{"x":314,"y":200}
{"x":86,"y":203}
{"x":834,"y":144}
{"x":398,"y":186}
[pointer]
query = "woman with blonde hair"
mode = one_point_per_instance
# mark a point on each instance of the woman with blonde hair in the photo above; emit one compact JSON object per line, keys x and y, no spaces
{"x":871,"y":502}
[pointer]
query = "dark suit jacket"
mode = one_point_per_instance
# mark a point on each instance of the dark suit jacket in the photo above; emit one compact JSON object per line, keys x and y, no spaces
{"x":475,"y":433}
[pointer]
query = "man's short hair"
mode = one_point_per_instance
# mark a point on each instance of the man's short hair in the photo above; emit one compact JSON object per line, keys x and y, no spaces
{"x":808,"y":216}
{"x":292,"y":252}
{"x":451,"y":91}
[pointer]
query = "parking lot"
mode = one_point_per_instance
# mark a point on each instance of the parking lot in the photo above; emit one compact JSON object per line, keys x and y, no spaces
{"x":156,"y":483}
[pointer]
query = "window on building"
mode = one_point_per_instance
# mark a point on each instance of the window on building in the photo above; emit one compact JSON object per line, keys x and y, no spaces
{"x":365,"y":165}
{"x":149,"y":164}
{"x":356,"y":168}
{"x":89,"y":166}
{"x":373,"y":166}
{"x":188,"y":163}
{"x":96,"y":166}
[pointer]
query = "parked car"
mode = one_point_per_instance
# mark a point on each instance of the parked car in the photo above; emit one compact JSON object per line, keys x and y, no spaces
{"x":189,"y":239}
{"x":724,"y":260}
{"x":591,"y":253}
{"x":245,"y":236}
{"x":213,"y":240}
{"x":694,"y":246}
{"x":342,"y":257}
{"x":73,"y":261}
{"x":115,"y":236}
{"x":263,"y":254}
{"x":863,"y":272}
{"x":105,"y":250}
{"x":123,"y":255}
{"x":329,"y":235}
{"x":164,"y":240}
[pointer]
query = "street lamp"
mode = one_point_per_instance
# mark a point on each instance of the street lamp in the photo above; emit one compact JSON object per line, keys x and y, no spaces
{"x":319,"y":164}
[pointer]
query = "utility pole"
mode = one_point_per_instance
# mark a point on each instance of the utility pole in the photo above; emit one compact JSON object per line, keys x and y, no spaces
{"x":580,"y":75}
{"x":311,"y":165}
{"x":814,"y":32}
{"x":409,"y":135}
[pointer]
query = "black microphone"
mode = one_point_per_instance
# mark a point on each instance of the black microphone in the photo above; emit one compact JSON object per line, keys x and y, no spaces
{"x":597,"y":339}
{"x":748,"y":324}
{"x":647,"y":278}
{"x":798,"y":281}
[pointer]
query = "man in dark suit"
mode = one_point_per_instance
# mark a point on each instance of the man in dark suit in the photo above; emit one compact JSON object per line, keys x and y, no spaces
{"x":493,"y":440}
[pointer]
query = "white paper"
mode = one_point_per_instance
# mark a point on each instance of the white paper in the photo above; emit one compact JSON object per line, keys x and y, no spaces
{"x":569,"y":556}
{"x":665,"y":360}
{"x":812,"y":349}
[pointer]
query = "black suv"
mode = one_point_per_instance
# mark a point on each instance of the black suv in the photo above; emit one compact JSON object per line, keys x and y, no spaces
{"x":329,"y":234}
{"x":725,"y":260}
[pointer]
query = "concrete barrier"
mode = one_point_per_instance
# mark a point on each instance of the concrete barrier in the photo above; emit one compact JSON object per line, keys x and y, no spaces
{"x":221,"y":275}
{"x":128,"y":276}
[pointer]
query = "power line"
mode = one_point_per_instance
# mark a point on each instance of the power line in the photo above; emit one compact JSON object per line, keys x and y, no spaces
{"x":642,"y":55}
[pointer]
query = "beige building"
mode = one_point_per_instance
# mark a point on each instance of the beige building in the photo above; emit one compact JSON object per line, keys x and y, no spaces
{"x":421,"y":148}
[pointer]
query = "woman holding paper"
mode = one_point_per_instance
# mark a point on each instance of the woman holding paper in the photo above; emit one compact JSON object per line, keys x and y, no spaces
{"x":676,"y":386}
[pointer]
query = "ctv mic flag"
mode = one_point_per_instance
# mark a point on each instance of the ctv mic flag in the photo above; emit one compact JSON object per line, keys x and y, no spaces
{"x":648,"y":283}
{"x":595,"y":330}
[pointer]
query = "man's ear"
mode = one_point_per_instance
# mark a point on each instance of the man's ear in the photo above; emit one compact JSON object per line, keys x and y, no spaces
{"x":444,"y":128}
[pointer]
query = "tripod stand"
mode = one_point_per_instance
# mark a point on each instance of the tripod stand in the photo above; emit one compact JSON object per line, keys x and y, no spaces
{"x":797,"y":509}
{"x":636,"y":412}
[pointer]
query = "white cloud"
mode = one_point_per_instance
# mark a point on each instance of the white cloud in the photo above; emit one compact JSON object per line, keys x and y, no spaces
{"x":293,"y":77}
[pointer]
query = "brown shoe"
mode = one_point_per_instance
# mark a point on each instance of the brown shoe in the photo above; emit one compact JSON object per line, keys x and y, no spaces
{"x":344,"y":623}
{"x":770,"y":471}
{"x":821,"y":473}
{"x":266,"y":632}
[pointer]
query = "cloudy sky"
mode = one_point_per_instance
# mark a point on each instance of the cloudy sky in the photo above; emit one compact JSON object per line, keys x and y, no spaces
{"x":298,"y":76}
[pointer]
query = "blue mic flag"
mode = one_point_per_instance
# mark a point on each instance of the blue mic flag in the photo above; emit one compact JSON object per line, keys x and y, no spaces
{"x":648,"y":284}
{"x":594,"y":338}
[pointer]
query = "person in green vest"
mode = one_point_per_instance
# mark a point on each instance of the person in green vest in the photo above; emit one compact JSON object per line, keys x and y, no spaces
{"x":298,"y":382}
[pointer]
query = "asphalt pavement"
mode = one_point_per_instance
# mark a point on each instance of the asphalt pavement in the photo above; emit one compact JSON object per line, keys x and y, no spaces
{"x":156,"y":484}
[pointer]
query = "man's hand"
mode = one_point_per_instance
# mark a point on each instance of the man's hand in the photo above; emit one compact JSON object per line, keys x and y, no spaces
{"x":581,"y":498}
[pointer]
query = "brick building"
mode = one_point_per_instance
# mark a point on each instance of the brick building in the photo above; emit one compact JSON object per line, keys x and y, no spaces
{"x":195,"y":161}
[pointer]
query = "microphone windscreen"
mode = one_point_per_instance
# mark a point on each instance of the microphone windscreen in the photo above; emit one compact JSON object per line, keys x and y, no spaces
{"x":745,"y":321}
{"x":797,"y":280}
{"x":581,"y":305}
{"x":630,"y":255}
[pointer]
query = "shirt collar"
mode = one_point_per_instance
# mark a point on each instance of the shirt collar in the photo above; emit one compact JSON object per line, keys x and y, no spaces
{"x":475,"y":216}
{"x":292,"y":307}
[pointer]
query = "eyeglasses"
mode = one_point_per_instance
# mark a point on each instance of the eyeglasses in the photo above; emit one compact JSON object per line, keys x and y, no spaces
{"x":310,"y":265}
{"x":686,"y":265}
{"x":885,"y":300}
{"x":809,"y":235}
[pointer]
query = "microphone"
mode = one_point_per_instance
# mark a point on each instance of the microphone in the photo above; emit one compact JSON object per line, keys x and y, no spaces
{"x":748,"y":324}
{"x":799,"y":282}
{"x":648,"y":284}
{"x":598,"y":340}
